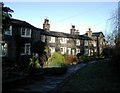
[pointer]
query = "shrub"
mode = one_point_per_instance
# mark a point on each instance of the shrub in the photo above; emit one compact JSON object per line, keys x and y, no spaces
{"x":34,"y":63}
{"x":107,"y":52}
{"x":85,"y":58}
{"x":116,"y":58}
{"x":56,"y":60}
{"x":70,"y":59}
{"x":79,"y":58}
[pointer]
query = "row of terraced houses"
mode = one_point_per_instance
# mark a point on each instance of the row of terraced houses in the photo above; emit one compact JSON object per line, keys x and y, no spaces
{"x":17,"y":43}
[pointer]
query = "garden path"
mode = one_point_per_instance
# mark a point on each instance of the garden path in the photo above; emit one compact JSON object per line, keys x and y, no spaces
{"x":50,"y":83}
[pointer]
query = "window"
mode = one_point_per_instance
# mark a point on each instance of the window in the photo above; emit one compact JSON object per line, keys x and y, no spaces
{"x":9,"y":31}
{"x":3,"y":49}
{"x":86,"y":51}
{"x":63,"y":40}
{"x":52,"y":49}
{"x":94,"y":43}
{"x":77,"y":51}
{"x":73,"y":51}
{"x":25,"y":32}
{"x":63,"y":50}
{"x":68,"y":51}
{"x":28,"y":32}
{"x":43,"y":38}
{"x":25,"y":50}
{"x":85,"y":43}
{"x":77,"y":42}
{"x":52,"y":40}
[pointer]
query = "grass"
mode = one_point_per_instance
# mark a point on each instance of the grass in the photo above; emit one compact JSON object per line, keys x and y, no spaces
{"x":96,"y":77}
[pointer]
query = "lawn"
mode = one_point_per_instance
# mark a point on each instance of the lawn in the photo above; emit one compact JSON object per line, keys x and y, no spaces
{"x":96,"y":77}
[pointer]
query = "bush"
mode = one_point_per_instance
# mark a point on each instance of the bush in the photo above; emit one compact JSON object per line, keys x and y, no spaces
{"x":70,"y":59}
{"x":92,"y":58}
{"x":85,"y":58}
{"x":79,"y":59}
{"x":34,"y":63}
{"x":107,"y":52}
{"x":56,"y":60}
{"x":116,"y":59}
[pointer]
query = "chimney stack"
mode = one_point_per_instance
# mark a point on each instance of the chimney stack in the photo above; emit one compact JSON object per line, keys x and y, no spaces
{"x":72,"y":30}
{"x":46,"y":25}
{"x":89,"y":32}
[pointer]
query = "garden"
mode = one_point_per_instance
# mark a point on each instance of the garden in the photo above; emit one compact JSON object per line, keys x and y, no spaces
{"x":40,"y":64}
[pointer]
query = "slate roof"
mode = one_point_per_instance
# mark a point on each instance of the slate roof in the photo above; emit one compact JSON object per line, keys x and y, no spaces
{"x":66,"y":35}
{"x":49,"y":33}
{"x":97,"y":34}
{"x":20,"y":22}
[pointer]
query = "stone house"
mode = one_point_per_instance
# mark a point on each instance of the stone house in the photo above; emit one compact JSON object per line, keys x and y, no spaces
{"x":71,"y":44}
{"x":96,"y":43}
{"x":18,"y":41}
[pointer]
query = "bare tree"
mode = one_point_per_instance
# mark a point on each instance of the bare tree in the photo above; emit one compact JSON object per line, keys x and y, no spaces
{"x":114,"y":27}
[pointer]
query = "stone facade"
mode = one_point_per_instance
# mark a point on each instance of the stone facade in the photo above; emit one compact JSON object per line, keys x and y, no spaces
{"x":23,"y":35}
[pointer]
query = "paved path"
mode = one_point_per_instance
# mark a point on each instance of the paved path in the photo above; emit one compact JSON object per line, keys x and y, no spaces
{"x":50,"y":83}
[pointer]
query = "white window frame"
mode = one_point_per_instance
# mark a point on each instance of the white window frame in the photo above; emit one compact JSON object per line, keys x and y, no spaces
{"x":86,"y":43}
{"x":73,"y":51}
{"x":63,"y":40}
{"x":52,"y":39}
{"x":9,"y":32}
{"x":77,"y":51}
{"x":64,"y":50}
{"x":29,"y":51}
{"x":52,"y":49}
{"x":25,"y":49}
{"x":43,"y":38}
{"x":69,"y":51}
{"x":86,"y":51}
{"x":22,"y":29}
{"x":77,"y":42}
{"x":26,"y":29}
{"x":3,"y":49}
